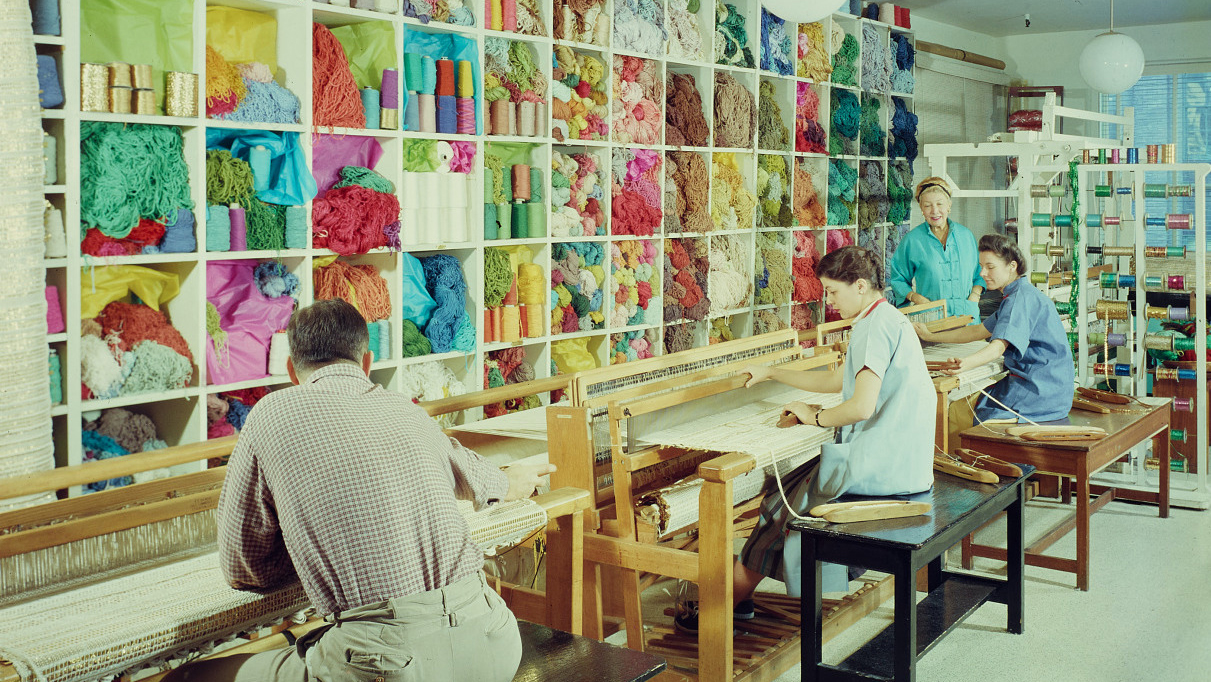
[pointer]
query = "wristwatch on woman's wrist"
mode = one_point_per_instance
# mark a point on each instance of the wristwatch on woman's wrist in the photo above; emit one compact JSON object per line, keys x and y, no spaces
{"x":818,"y":418}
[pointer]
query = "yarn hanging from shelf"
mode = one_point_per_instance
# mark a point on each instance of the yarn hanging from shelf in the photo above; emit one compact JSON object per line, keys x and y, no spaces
{"x":844,"y":72}
{"x":842,"y":186}
{"x":768,"y":321}
{"x":577,"y":276}
{"x":445,"y":283}
{"x":225,"y":86}
{"x":870,"y":128}
{"x":634,"y":274}
{"x":449,"y":11}
{"x":902,"y":79}
{"x":636,"y":200}
{"x":684,"y":116}
{"x":679,"y":337}
{"x":637,"y":90}
{"x":732,"y":204}
{"x":807,"y":286}
{"x":582,"y":21}
{"x":735,"y":112}
{"x":731,"y":37}
{"x":899,"y":190}
{"x":846,"y":115}
{"x":686,"y":205}
{"x":576,"y":195}
{"x":578,"y":97}
{"x":877,"y":61}
{"x":352,"y":219}
{"x":731,"y":274}
{"x":872,"y":188}
{"x":336,"y":99}
{"x":359,"y":285}
{"x":903,"y":133}
{"x":809,"y":134}
{"x":774,"y":284}
{"x":774,"y":191}
{"x":632,"y":345}
{"x":809,"y":210}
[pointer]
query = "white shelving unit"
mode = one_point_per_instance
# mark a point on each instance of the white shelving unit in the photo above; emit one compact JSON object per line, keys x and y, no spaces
{"x":180,"y":415}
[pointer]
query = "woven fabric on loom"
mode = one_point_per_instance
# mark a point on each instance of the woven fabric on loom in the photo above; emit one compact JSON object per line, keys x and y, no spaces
{"x":504,"y":524}
{"x":972,"y":380}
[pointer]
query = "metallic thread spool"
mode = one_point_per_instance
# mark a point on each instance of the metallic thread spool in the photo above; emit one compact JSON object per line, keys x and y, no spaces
{"x":1181,"y":190}
{"x":1038,"y":278}
{"x":119,"y":74}
{"x":119,"y":99}
{"x":1095,"y":338}
{"x":1154,"y":151}
{"x":94,"y":87}
{"x":1116,"y":340}
{"x":181,"y":97}
{"x":1158,"y":342}
{"x":1108,"y":280}
{"x":389,"y":119}
{"x":1157,"y":312}
{"x":1133,"y":155}
{"x":1093,"y":220}
{"x":1038,"y":249}
{"x":142,"y":77}
{"x":145,"y":102}
{"x":1112,"y":220}
{"x":1086,"y":156}
{"x":1154,"y":281}
{"x":1176,"y":282}
{"x":1118,"y":369}
{"x":1124,"y":190}
{"x":1154,"y":190}
{"x":1179,"y":313}
{"x":1114,"y":156}
{"x":1183,"y":405}
{"x":1168,"y":153}
{"x":1040,"y":219}
{"x":1173,"y":374}
{"x":1178,"y":221}
{"x":1102,"y":191}
{"x":1101,"y":156}
{"x":1154,"y":220}
{"x":1038,"y":191}
{"x":1063,"y":220}
{"x":1112,"y":310}
{"x":1177,"y":435}
{"x":1181,"y":344}
{"x":1118,"y":251}
{"x":1057,"y":191}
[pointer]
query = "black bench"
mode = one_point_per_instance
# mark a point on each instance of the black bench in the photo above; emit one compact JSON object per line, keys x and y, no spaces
{"x":901,"y":547}
{"x":549,"y":655}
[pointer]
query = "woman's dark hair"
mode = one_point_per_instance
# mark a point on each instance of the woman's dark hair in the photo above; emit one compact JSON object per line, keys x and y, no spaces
{"x":325,"y":332}
{"x":851,"y":263}
{"x":1005,"y":248}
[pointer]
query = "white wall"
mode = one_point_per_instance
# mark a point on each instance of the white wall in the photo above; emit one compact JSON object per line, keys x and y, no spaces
{"x":960,"y":38}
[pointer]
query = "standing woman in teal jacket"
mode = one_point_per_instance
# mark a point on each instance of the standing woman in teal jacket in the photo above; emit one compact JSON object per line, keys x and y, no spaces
{"x":938,"y":259}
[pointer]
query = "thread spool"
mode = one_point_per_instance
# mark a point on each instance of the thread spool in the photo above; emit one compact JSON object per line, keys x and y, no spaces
{"x":296,"y":227}
{"x":258,"y":159}
{"x":1114,"y":156}
{"x":119,"y":74}
{"x":218,"y":228}
{"x":1177,"y":435}
{"x":1153,"y":282}
{"x":279,"y":350}
{"x":239,"y":228}
{"x":141,"y":77}
{"x":1154,"y":151}
{"x":1101,"y":156}
{"x":50,"y":159}
{"x":526,"y":123}
{"x":1181,"y":190}
{"x":1111,"y":280}
{"x":445,"y":78}
{"x":1169,"y":153}
{"x":1176,"y":282}
{"x":1156,"y":312}
{"x":489,"y":329}
{"x":372,"y":341}
{"x":1039,"y":249}
{"x":1040,"y":219}
{"x":510,"y":324}
{"x":427,"y":112}
{"x":54,"y":311}
{"x":521,"y":182}
{"x":1112,"y":220}
{"x":466,"y":79}
{"x":1101,"y":338}
{"x":1155,"y":190}
{"x":521,"y":222}
{"x":388,"y":119}
{"x":1093,"y":220}
{"x":1063,"y":220}
{"x":181,"y":98}
{"x":1183,"y":405}
{"x":1182,"y":344}
{"x":370,"y":102}
{"x":178,"y":233}
{"x":537,"y":218}
{"x":119,"y":99}
{"x":412,"y":71}
{"x":1102,"y":191}
{"x":887,"y":12}
{"x":1112,"y":310}
{"x":428,"y":75}
{"x":465,"y":106}
{"x":412,"y":112}
{"x":504,"y":221}
{"x":54,"y":232}
{"x":1120,"y":369}
{"x":1165,"y":251}
{"x":490,"y":226}
{"x":55,"y":373}
{"x":384,"y":339}
{"x":94,"y":87}
{"x":1158,"y":342}
{"x":1177,"y":221}
{"x":1038,"y":278}
{"x":1086,"y":156}
{"x":500,"y":117}
{"x":1133,"y":155}
{"x":447,"y":114}
{"x":512,"y":110}
{"x":145,"y":102}
{"x":1154,"y":221}
{"x":389,"y":95}
{"x":1038,"y":191}
{"x":1175,"y":374}
{"x":46,"y":20}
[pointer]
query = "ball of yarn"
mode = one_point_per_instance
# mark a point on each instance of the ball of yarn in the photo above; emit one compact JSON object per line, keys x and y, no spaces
{"x":274,"y":280}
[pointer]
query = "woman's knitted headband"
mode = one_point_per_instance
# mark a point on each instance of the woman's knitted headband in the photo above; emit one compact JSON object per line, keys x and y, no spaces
{"x":923,"y":188}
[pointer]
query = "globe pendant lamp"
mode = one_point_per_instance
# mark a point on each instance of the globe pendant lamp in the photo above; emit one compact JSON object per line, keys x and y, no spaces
{"x":1112,"y":62}
{"x":801,"y":11}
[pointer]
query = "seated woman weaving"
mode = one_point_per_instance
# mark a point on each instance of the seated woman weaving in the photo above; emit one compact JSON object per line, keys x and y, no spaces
{"x":888,"y":400}
{"x":1026,"y":331}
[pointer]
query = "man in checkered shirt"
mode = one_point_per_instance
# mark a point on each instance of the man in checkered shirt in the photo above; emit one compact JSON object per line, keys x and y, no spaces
{"x":350,"y":489}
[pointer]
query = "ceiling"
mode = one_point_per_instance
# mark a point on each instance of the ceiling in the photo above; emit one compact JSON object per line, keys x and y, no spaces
{"x":1007,"y":17}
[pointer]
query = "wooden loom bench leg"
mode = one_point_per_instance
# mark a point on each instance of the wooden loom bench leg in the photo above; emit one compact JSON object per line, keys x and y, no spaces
{"x":1082,"y":524}
{"x":1166,"y":457}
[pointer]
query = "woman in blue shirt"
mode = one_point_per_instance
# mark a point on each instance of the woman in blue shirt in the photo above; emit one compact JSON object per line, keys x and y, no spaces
{"x":937,"y":260}
{"x":1026,"y":331}
{"x":885,"y":426}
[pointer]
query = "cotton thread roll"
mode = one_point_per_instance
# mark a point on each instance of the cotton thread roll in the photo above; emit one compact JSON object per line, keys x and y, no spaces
{"x":50,"y":159}
{"x":465,"y":107}
{"x":412,"y":112}
{"x":537,"y":219}
{"x":447,"y":114}
{"x":390,"y":89}
{"x":55,"y":372}
{"x":239,"y":228}
{"x":119,"y":74}
{"x":496,"y":14}
{"x":181,"y":95}
{"x":525,"y":119}
{"x":540,"y":119}
{"x":445,"y":78}
{"x":887,"y":12}
{"x":500,"y":117}
{"x":119,"y":99}
{"x":372,"y":340}
{"x":510,"y":324}
{"x":466,"y":79}
{"x":855,"y":7}
{"x":410,"y":222}
{"x":296,"y":227}
{"x":94,"y":87}
{"x":54,"y":311}
{"x":258,"y":159}
{"x":521,"y":222}
{"x":144,"y":102}
{"x":370,"y":102}
{"x":279,"y":350}
{"x":428,"y":75}
{"x":512,"y":111}
{"x":520,"y":175}
{"x":1040,"y":219}
{"x":504,"y":221}
{"x":54,"y":233}
{"x":178,"y":234}
{"x":509,"y":15}
{"x":218,"y":228}
{"x":430,"y":213}
{"x":384,"y":338}
{"x":427,"y":111}
{"x":490,"y":219}
{"x":1063,"y":220}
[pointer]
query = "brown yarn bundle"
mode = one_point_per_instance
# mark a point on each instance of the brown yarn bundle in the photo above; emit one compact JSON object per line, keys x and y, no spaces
{"x":687,"y":124}
{"x":735,"y":113}
{"x":692,"y":209}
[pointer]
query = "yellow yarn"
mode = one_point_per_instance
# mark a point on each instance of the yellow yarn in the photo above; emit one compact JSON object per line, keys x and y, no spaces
{"x":531,"y":281}
{"x":222,"y":78}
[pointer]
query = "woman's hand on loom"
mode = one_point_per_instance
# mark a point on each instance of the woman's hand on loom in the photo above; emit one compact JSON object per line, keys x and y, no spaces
{"x":524,"y":478}
{"x":806,"y":414}
{"x":954,"y":366}
{"x":757,"y":374}
{"x":915,"y":298}
{"x":923,"y":331}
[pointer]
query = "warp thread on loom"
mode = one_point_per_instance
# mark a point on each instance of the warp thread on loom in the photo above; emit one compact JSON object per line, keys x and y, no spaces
{"x":735,"y":113}
{"x":686,"y":264}
{"x":683,"y":113}
{"x":128,"y":172}
{"x":772,"y":133}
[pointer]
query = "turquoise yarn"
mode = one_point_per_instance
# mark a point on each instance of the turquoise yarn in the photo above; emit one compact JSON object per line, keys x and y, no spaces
{"x":128,"y":172}
{"x":296,"y":227}
{"x":218,"y":228}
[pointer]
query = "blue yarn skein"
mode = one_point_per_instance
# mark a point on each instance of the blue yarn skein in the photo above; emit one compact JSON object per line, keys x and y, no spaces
{"x":444,"y":280}
{"x":178,"y":234}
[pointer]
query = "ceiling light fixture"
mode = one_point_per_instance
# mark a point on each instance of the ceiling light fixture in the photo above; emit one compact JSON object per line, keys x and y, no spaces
{"x":1112,"y":62}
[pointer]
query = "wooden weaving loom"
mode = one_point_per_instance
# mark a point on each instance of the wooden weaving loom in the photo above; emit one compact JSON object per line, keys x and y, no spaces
{"x":108,"y":583}
{"x":673,"y":508}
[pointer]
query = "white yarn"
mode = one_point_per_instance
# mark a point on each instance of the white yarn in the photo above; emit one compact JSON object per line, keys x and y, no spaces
{"x":279,"y":350}
{"x":427,"y":381}
{"x":54,"y":232}
{"x":730,"y":280}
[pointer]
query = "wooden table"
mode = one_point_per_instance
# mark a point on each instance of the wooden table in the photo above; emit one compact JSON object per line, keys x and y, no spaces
{"x":549,"y":655}
{"x":1077,"y":460}
{"x":901,"y":547}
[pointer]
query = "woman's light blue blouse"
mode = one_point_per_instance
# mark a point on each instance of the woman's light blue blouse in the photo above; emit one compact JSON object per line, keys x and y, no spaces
{"x":939,"y":273}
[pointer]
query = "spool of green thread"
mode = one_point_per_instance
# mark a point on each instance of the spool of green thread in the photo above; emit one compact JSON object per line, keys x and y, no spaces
{"x":537,"y":219}
{"x":1177,"y":435}
{"x":1040,"y":219}
{"x":1154,"y":282}
{"x":1063,"y":220}
{"x":1183,"y":344}
{"x":1038,"y":278}
{"x":504,"y":218}
{"x":1102,"y":191}
{"x":1108,"y":280}
{"x":521,"y":222}
{"x":1038,"y":249}
{"x":490,"y":221}
{"x":1101,"y":156}
{"x":1156,"y":191}
{"x":1057,"y":191}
